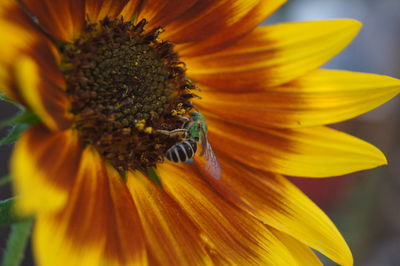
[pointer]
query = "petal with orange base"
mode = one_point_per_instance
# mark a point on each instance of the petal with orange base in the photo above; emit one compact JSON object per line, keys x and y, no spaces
{"x":161,"y":13}
{"x":233,"y":234}
{"x":99,"y":9}
{"x":43,"y":166}
{"x":206,"y":18}
{"x":62,"y":19}
{"x":273,"y":55}
{"x":98,"y":226}
{"x":18,"y":35}
{"x":47,"y":100}
{"x":318,"y":98}
{"x":278,"y":203}
{"x":172,"y":238}
{"x":21,"y":38}
{"x":233,"y":33}
{"x":305,"y":152}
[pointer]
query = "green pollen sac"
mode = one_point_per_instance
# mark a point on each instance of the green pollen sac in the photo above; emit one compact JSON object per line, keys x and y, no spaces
{"x":125,"y":84}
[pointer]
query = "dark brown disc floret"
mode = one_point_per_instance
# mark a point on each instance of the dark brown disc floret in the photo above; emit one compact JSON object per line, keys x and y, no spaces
{"x":125,"y":84}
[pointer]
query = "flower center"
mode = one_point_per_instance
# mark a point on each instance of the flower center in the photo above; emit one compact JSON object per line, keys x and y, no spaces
{"x":125,"y":85}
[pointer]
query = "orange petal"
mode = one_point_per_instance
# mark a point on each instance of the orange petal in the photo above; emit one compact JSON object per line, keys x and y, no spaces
{"x":206,"y":18}
{"x":306,"y":152}
{"x":98,"y":226}
{"x":318,"y":98}
{"x":233,"y":33}
{"x":172,"y":238}
{"x":273,"y":55}
{"x":234,"y":235}
{"x":99,"y":9}
{"x":272,"y":199}
{"x":132,"y":9}
{"x":161,"y":13}
{"x":44,"y":165}
{"x":63,"y":19}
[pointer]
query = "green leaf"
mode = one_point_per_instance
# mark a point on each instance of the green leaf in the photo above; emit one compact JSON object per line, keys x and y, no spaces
{"x":25,"y":116}
{"x":21,"y":122}
{"x":153,"y":176}
{"x":7,"y":216}
{"x":16,"y":244}
{"x":4,"y":180}
{"x":14,"y":133}
{"x":3,"y":97}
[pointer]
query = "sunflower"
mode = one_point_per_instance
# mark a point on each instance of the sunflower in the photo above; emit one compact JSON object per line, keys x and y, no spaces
{"x":121,"y":89}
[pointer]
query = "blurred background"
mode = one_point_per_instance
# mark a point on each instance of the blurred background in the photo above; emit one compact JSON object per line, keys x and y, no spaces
{"x":364,"y":205}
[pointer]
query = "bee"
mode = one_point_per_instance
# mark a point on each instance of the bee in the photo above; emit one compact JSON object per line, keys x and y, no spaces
{"x":195,"y":132}
{"x":182,"y":151}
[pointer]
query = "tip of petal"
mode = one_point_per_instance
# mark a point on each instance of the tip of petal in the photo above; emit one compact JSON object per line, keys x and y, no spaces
{"x":348,"y":259}
{"x":377,"y":158}
{"x":381,"y":158}
{"x":389,"y":82}
{"x":350,"y":24}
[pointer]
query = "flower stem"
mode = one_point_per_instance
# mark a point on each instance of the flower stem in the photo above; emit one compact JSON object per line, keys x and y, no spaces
{"x":16,"y":243}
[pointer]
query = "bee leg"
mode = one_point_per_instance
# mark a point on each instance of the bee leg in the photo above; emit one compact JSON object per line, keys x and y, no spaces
{"x":191,"y":161}
{"x":180,"y":132}
{"x":183,"y":118}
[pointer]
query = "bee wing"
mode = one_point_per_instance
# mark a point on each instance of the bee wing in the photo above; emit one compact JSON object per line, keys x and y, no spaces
{"x":204,"y":147}
{"x":212,"y":165}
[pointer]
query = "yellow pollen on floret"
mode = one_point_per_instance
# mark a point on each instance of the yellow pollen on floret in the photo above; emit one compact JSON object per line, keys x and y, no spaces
{"x":140,"y":125}
{"x":148,"y":130}
{"x":126,"y":131}
{"x":174,"y":112}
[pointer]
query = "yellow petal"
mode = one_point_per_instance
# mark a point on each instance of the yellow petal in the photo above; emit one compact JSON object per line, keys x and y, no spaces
{"x":43,"y":166}
{"x":235,"y":235}
{"x":305,"y":152}
{"x":318,"y":98}
{"x":172,"y":238}
{"x":273,"y":55}
{"x":275,"y":201}
{"x":98,"y":226}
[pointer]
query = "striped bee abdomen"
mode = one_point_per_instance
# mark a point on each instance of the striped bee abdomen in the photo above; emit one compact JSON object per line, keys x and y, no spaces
{"x":182,"y":151}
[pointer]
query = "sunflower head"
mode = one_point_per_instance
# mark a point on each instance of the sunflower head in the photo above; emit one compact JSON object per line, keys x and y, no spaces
{"x":125,"y":85}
